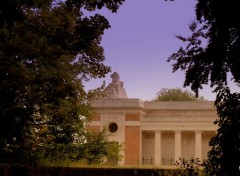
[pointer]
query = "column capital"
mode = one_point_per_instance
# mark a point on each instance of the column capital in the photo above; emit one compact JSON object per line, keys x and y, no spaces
{"x":177,"y":131}
{"x":198,"y":131}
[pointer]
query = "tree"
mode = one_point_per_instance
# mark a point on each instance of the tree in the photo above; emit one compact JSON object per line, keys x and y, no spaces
{"x":212,"y":53}
{"x":95,"y":148}
{"x":48,"y":49}
{"x":176,"y":94}
{"x":98,"y":150}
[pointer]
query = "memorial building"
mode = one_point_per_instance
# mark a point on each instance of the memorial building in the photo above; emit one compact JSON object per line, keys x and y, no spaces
{"x":155,"y":133}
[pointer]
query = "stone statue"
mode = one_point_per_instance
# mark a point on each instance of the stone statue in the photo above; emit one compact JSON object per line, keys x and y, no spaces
{"x":115,"y":89}
{"x":115,"y":77}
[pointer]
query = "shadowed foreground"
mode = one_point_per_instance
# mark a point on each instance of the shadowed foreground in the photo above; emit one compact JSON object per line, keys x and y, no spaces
{"x":17,"y":170}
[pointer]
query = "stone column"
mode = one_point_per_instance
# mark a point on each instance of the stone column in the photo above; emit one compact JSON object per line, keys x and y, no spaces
{"x":178,"y":145}
{"x":157,"y":150}
{"x":198,"y":144}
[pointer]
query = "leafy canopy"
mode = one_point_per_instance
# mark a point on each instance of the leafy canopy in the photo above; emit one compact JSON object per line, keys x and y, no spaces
{"x":48,"y":49}
{"x":176,"y":94}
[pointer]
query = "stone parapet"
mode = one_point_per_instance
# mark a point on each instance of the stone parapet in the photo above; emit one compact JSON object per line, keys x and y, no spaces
{"x":118,"y":103}
{"x":189,"y":105}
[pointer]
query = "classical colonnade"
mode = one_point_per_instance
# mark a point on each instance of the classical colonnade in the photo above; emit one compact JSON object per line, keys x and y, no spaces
{"x":177,"y":143}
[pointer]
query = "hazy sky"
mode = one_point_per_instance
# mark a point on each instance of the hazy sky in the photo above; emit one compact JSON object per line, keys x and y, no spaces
{"x":141,"y":40}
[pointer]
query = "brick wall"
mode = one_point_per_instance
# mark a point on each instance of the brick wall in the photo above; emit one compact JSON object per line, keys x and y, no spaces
{"x":132,"y":141}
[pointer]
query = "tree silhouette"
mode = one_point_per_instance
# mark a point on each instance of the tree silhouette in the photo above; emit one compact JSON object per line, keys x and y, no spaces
{"x":212,"y":53}
{"x":48,"y":49}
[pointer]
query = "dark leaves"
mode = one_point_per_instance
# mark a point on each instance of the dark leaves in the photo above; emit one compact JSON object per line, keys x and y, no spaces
{"x":46,"y":54}
{"x":211,"y":53}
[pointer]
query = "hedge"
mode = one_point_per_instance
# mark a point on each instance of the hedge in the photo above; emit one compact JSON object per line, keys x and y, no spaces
{"x":19,"y":170}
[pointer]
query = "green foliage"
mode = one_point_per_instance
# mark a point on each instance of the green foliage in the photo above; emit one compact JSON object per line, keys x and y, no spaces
{"x":95,"y":148}
{"x":193,"y":167}
{"x":176,"y":94}
{"x":48,"y":49}
{"x":212,"y":55}
{"x":98,"y":150}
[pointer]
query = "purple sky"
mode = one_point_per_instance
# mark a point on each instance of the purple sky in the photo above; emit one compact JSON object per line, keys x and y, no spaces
{"x":141,"y":40}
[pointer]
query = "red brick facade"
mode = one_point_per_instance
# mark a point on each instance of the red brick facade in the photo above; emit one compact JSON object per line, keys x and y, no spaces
{"x":132,"y":117}
{"x":132,"y":141}
{"x":132,"y":145}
